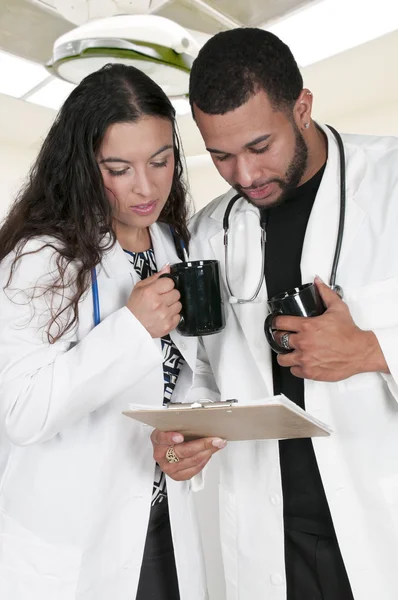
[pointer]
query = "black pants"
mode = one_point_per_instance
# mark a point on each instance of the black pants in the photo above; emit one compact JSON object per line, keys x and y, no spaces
{"x":158,"y":577}
{"x":314,"y":568}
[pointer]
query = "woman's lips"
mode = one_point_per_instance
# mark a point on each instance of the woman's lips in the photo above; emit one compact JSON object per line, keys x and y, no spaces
{"x":144,"y":209}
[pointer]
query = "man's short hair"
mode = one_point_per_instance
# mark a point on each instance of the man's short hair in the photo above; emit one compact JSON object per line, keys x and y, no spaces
{"x":233,"y":65}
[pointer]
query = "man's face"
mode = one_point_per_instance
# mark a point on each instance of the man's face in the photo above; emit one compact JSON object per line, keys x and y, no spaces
{"x":259,"y":151}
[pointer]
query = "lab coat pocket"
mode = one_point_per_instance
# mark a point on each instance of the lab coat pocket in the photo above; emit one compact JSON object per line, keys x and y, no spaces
{"x":373,"y":306}
{"x":228,"y":532}
{"x":31,"y":569}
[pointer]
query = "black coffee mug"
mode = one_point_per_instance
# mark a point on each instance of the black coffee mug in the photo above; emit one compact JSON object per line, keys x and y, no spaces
{"x":202,"y":307}
{"x":302,"y":301}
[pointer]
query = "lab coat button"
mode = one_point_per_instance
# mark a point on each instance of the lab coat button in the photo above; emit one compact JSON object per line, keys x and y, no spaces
{"x":275,"y":499}
{"x":276,"y":579}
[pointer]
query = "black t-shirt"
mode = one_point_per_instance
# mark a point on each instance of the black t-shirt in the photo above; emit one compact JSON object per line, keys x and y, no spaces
{"x":305,"y":505}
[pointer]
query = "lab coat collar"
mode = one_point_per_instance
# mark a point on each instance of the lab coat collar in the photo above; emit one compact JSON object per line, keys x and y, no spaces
{"x":115,"y":262}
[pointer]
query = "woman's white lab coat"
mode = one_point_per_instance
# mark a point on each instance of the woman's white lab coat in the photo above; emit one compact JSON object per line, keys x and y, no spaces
{"x":359,"y":461}
{"x":76,"y":475}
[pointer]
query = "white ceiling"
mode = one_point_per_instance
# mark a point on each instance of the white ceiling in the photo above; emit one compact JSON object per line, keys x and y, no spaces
{"x":28,"y":28}
{"x":356,"y":80}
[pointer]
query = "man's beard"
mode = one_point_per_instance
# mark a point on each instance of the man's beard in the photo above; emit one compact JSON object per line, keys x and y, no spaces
{"x":293,"y":176}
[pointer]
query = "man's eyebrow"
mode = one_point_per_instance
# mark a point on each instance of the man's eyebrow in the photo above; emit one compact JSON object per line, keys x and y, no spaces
{"x":261,"y":138}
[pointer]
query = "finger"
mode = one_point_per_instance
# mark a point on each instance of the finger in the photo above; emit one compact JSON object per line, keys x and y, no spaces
{"x":166,"y":438}
{"x":188,"y":450}
{"x":175,"y":309}
{"x":288,"y":323}
{"x":291,"y":338}
{"x":150,"y":280}
{"x":186,"y":474}
{"x":183,"y":463}
{"x":297,"y":372}
{"x":163,"y":286}
{"x":328,"y":296}
{"x":288,"y":360}
{"x":171,"y":297}
{"x":196,"y":461}
{"x":173,"y":323}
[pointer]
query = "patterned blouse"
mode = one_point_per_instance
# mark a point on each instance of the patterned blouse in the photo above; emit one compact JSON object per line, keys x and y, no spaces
{"x":145,"y":266}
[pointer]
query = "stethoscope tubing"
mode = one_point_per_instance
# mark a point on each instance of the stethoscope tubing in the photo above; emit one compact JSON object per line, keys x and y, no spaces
{"x":332,"y":281}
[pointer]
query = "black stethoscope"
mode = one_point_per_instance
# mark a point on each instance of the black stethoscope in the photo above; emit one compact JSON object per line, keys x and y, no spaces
{"x":332,"y":282}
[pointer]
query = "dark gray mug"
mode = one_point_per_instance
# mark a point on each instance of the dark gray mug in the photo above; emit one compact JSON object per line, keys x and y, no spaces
{"x":302,"y":301}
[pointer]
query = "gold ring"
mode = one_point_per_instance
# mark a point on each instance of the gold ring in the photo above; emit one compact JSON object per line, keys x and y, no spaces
{"x":171,"y":456}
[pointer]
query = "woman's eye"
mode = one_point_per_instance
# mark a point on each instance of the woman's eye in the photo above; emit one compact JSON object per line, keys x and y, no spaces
{"x":117,"y":173}
{"x":160,"y":164}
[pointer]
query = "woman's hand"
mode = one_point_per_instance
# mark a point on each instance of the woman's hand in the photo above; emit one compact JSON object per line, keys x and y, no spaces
{"x":191,"y":457}
{"x":156,"y":304}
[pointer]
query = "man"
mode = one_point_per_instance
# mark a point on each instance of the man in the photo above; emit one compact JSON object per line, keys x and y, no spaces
{"x":302,"y":519}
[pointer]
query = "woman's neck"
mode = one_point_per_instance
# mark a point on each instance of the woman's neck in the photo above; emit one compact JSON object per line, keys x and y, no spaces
{"x":134,"y":239}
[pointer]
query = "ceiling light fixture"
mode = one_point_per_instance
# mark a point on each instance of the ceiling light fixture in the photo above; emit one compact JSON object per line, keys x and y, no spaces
{"x":161,"y":48}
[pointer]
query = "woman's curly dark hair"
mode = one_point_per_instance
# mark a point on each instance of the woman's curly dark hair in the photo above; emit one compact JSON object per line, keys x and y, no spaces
{"x":64,"y":197}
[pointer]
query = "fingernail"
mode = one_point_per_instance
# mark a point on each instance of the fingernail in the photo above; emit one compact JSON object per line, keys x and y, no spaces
{"x":317,"y":278}
{"x":177,"y":439}
{"x":165,"y":265}
{"x":219,"y":443}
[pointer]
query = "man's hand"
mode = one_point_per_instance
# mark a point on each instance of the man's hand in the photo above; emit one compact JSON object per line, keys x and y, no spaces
{"x":329,"y":347}
{"x":193,"y":456}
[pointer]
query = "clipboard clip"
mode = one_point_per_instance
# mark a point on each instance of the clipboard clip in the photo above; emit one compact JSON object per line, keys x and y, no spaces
{"x":201,"y":404}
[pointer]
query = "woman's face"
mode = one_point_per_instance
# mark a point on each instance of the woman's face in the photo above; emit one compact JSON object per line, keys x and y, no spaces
{"x":137,"y":165}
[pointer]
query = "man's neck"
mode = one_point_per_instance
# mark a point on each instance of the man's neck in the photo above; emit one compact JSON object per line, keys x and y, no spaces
{"x":317,"y":144}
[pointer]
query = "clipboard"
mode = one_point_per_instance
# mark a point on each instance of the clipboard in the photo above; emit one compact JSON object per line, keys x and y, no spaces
{"x":276,"y":417}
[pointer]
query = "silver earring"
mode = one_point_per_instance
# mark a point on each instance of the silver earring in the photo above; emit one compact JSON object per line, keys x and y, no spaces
{"x":306,"y":125}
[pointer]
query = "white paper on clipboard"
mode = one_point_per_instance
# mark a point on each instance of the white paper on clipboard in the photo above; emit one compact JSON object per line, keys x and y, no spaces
{"x":271,"y":418}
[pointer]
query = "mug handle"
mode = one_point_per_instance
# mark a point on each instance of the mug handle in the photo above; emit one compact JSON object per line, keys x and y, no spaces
{"x":175,"y":279}
{"x":270,"y":336}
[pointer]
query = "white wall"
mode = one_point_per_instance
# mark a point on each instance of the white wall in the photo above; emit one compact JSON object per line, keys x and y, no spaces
{"x":205,"y":183}
{"x":377,"y":120}
{"x":15,"y":162}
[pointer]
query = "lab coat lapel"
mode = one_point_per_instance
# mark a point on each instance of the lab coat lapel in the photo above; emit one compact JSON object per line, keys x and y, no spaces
{"x":116,"y":264}
{"x":165,"y":252}
{"x":321,"y":234}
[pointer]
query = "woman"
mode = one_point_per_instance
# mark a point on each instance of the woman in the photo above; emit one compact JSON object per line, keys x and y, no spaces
{"x":80,"y":493}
